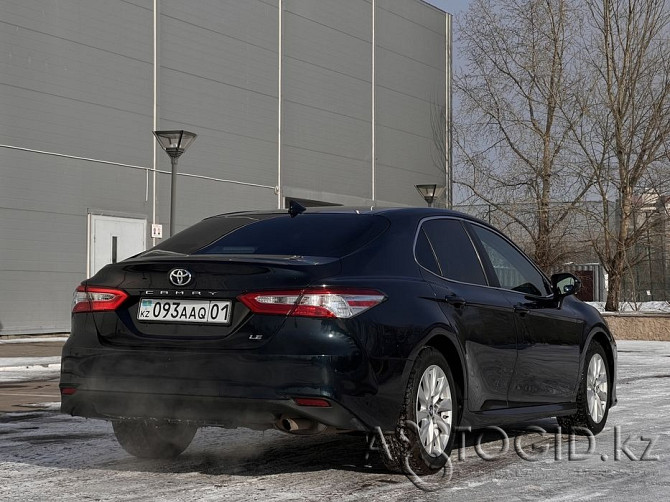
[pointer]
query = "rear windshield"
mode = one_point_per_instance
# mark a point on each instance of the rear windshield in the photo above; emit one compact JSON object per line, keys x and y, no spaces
{"x":201,"y":234}
{"x":331,"y":235}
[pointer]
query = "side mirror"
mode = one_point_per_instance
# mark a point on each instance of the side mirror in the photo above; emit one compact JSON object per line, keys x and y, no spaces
{"x":565,"y":284}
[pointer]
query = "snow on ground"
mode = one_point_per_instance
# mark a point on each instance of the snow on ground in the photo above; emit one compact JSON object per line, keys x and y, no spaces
{"x":33,"y":368}
{"x":46,"y":406}
{"x":27,"y":369}
{"x":45,"y":455}
{"x":647,"y":307}
{"x":28,"y":362}
{"x":33,"y":339}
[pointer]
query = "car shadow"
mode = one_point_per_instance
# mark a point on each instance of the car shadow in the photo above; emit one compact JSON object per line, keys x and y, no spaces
{"x":241,"y":452}
{"x":274,"y":453}
{"x":279,"y":453}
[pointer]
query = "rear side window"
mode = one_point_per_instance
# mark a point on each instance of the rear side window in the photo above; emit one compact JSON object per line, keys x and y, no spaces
{"x":455,"y":253}
{"x":425,"y":255}
{"x":328,"y":235}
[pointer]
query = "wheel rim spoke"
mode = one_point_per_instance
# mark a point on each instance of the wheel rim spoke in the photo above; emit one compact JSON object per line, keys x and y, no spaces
{"x":426,"y":391}
{"x":443,"y":426}
{"x":421,"y":415}
{"x":438,"y":389}
{"x":430,"y":437}
{"x":432,"y":383}
{"x":445,"y":406}
{"x":423,"y":402}
{"x":595,"y":410}
{"x":423,"y":433}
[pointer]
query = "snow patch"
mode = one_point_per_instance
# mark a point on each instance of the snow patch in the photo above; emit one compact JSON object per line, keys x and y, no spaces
{"x":47,"y":406}
{"x":35,"y":339}
{"x":26,"y":369}
{"x":648,"y":307}
{"x":9,"y":363}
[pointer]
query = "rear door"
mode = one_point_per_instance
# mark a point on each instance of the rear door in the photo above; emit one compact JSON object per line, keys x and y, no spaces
{"x":482,"y":316}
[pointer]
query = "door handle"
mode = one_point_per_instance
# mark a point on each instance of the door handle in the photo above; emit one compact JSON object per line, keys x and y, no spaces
{"x":455,"y":300}
{"x":521,"y":310}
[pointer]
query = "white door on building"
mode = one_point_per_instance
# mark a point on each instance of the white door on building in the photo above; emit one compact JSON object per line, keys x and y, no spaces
{"x":114,"y":238}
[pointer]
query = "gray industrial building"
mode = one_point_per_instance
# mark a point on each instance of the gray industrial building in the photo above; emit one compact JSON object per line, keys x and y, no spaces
{"x":329,"y":102}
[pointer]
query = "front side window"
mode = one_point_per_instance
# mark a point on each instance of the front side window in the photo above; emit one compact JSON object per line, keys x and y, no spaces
{"x":453,"y":250}
{"x":513,"y":270}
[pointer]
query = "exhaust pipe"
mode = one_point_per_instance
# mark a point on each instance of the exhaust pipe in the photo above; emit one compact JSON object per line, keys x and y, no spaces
{"x":294,"y":425}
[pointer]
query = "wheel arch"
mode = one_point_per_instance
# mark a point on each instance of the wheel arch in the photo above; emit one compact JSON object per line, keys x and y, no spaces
{"x":602,"y":336}
{"x":447,"y":344}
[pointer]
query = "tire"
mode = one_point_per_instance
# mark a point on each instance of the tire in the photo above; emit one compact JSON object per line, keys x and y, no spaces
{"x":153,"y":439}
{"x":425,"y":432}
{"x":593,"y":397}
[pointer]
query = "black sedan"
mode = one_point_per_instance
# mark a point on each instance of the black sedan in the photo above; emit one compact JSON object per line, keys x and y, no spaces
{"x":408,"y":322}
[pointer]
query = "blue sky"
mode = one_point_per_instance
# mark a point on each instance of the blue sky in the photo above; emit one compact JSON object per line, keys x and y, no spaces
{"x":452,"y":7}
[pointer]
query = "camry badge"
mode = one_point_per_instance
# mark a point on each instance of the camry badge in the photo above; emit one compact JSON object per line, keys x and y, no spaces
{"x":180,"y":276}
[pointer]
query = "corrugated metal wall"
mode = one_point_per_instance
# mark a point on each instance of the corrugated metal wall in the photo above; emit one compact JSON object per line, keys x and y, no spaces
{"x":218,"y":78}
{"x":326,"y":87}
{"x":410,"y":85}
{"x":76,"y":80}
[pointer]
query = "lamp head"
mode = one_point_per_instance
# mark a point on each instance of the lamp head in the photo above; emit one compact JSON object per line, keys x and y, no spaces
{"x":175,"y":142}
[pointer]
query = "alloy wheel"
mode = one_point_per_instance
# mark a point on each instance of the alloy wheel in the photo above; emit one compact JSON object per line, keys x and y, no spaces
{"x":597,"y":388}
{"x":434,"y":410}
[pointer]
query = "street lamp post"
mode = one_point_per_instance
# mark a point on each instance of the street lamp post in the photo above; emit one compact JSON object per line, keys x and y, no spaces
{"x":174,"y":143}
{"x":430,"y":192}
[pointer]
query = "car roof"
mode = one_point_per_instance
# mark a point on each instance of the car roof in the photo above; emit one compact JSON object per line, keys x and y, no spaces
{"x":390,"y":212}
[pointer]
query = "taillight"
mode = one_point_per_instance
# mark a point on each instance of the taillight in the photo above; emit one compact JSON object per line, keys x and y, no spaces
{"x":335,"y":302}
{"x":94,"y":299}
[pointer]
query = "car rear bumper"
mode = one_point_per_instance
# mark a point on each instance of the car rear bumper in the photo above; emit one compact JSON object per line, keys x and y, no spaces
{"x":229,"y":389}
{"x":204,"y":410}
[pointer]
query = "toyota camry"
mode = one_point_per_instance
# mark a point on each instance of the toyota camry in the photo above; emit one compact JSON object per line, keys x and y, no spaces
{"x":409,"y":322}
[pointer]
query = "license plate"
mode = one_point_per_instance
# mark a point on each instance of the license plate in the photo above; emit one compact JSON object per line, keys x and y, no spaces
{"x":205,"y":312}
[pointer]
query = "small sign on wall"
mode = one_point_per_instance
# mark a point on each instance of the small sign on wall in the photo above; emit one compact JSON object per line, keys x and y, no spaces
{"x":157,"y":231}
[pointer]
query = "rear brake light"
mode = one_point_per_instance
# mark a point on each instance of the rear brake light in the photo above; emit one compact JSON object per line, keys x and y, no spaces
{"x":94,"y":299}
{"x":338,"y":303}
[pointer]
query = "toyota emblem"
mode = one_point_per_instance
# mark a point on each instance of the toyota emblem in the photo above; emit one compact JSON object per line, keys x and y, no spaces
{"x":180,"y":276}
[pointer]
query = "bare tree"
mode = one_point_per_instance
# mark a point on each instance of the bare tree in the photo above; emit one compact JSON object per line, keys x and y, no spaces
{"x":623,"y":128}
{"x":512,"y":126}
{"x":439,"y":152}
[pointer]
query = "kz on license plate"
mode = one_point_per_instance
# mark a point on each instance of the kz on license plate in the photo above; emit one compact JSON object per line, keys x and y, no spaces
{"x":211,"y":311}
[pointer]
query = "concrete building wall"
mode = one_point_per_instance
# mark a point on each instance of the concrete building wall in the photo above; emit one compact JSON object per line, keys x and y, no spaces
{"x":77,"y":110}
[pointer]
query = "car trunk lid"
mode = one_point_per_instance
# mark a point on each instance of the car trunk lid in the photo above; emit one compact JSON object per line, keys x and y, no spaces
{"x":214,"y":281}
